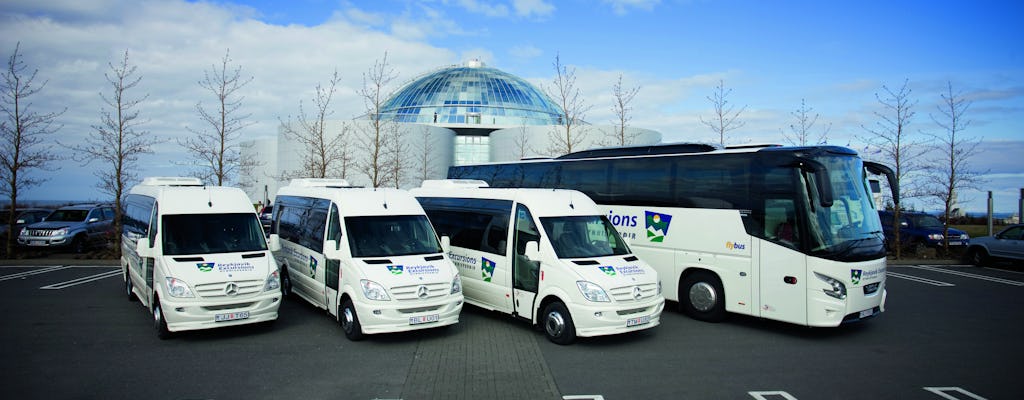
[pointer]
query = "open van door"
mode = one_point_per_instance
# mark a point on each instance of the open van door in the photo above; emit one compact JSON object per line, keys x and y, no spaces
{"x":525,"y":263}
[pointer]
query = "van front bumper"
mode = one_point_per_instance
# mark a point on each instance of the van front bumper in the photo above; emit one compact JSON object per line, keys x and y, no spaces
{"x":191,"y":314}
{"x":598,"y":319}
{"x":392,"y":316}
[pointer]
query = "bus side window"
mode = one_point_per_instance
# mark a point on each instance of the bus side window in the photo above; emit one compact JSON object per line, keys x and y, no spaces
{"x":779,"y":222}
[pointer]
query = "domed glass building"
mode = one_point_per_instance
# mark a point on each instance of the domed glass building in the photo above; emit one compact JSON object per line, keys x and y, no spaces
{"x":472,"y":94}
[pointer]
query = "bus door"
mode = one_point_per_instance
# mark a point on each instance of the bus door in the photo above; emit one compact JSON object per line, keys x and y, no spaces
{"x":783,"y":268}
{"x":332,"y":268}
{"x":525,"y":271}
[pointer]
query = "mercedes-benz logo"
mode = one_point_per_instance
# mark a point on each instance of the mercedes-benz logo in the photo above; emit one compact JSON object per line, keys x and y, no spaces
{"x":231,"y":289}
{"x":423,"y":292}
{"x":637,"y":293}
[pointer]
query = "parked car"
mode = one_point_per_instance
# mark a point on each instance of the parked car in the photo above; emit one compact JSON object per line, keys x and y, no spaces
{"x":1008,"y":245}
{"x":25,"y":216}
{"x":920,"y":229}
{"x":266,"y":218}
{"x":76,"y":227}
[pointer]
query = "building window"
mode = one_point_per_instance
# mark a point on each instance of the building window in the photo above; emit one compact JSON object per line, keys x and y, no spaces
{"x":472,"y":150}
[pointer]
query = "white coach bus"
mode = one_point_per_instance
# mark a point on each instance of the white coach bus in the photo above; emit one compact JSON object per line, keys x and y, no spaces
{"x":368,"y":256}
{"x":546,"y":256}
{"x":783,"y":233}
{"x":196,"y":256}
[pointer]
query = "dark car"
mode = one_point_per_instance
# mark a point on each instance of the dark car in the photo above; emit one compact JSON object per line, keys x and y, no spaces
{"x":918,"y":229}
{"x":1007,"y":245}
{"x":266,"y":218}
{"x":74,"y":227}
{"x":24,"y":216}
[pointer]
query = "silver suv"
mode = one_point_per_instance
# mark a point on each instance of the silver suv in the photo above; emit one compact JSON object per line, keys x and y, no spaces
{"x":75,"y":227}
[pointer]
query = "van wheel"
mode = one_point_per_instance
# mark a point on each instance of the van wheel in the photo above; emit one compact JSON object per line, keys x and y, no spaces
{"x":78,"y":244}
{"x":158,"y":320}
{"x":128,"y":288}
{"x":350,"y":321}
{"x":558,"y":324}
{"x":286,"y":283}
{"x":701,"y":297}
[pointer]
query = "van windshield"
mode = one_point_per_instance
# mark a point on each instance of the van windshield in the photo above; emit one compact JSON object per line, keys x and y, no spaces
{"x":391,"y":235}
{"x":583,"y":236}
{"x":212,"y":233}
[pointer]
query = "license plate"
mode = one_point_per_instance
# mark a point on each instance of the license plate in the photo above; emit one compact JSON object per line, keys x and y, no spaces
{"x":866,"y":313}
{"x":423,"y":319}
{"x":956,"y":243}
{"x":37,"y":243}
{"x":231,"y":316}
{"x":646,"y":319}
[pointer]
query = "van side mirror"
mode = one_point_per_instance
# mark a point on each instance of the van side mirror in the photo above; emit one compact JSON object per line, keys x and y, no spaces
{"x":143,"y":249}
{"x":446,"y":244}
{"x":332,"y":250}
{"x":274,"y":242}
{"x":532,"y":251}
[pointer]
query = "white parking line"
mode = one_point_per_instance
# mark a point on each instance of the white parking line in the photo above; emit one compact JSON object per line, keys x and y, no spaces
{"x":968,"y":275}
{"x":941,"y":391}
{"x":30,"y":273}
{"x":79,"y":281}
{"x":918,"y":279}
{"x":761,"y":395}
{"x":583,"y":397}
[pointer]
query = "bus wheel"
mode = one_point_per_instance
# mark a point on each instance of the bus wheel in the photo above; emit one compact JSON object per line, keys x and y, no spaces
{"x":558,"y":324}
{"x":158,"y":320}
{"x":350,"y":321}
{"x":701,"y":297}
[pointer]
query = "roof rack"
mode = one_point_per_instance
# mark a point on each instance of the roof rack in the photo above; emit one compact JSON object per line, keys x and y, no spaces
{"x":671,"y":148}
{"x":453,"y":184}
{"x":171,"y":181}
{"x":320,"y":182}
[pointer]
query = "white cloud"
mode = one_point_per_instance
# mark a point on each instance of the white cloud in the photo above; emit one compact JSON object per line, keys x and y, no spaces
{"x":622,"y":7}
{"x":533,"y":8}
{"x":525,"y":52}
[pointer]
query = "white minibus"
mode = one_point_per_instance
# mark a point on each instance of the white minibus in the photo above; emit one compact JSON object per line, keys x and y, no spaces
{"x":367,"y":256}
{"x":546,"y":256}
{"x":196,"y":256}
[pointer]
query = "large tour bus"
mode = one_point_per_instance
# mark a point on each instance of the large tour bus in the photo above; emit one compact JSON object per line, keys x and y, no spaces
{"x":196,"y":256}
{"x":546,"y":256}
{"x":783,"y":233}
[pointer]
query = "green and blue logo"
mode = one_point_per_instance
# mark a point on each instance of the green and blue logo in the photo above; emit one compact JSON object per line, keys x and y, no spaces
{"x":487,"y":269}
{"x":312,"y":267}
{"x":396,"y":269}
{"x":205,"y":267}
{"x":657,"y":225}
{"x":855,"y":275}
{"x":609,"y":270}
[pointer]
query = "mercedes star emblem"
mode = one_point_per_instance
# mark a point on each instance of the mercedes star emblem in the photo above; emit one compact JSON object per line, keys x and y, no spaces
{"x":231,"y":289}
{"x":637,"y":293}
{"x":422,"y":292}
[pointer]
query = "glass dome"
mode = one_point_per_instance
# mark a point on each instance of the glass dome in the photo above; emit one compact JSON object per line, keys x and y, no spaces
{"x":473,"y":94}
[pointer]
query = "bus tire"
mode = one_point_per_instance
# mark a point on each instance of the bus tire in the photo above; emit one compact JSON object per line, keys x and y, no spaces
{"x":558,"y":325}
{"x":701,"y":297}
{"x":350,"y":321}
{"x":159,"y":321}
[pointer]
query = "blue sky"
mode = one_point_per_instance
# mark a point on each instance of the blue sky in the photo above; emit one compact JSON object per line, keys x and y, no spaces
{"x":772,"y":54}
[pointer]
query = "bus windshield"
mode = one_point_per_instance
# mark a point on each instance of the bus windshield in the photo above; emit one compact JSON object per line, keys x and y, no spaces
{"x":849,"y":229}
{"x":583,"y":236}
{"x":212,"y":233}
{"x":391,"y":235}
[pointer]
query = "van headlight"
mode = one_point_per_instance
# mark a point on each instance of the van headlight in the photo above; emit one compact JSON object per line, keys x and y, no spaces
{"x":273,"y":282}
{"x":456,"y":285}
{"x":373,"y":290}
{"x":659,"y":287}
{"x":838,"y":288}
{"x":592,"y":292}
{"x":178,"y":288}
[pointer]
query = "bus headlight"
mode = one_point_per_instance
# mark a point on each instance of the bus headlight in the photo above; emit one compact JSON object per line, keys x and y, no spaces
{"x":838,"y":288}
{"x":178,"y":288}
{"x":373,"y":290}
{"x":592,"y":292}
{"x":273,"y":282}
{"x":456,"y":285}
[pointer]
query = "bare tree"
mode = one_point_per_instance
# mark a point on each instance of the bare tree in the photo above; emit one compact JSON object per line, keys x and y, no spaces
{"x":426,"y":159}
{"x":323,"y":154}
{"x":25,"y":144}
{"x":376,"y":138}
{"x":216,"y":146}
{"x":725,"y":117}
{"x":522,"y":142}
{"x":571,"y":131}
{"x":622,"y":109}
{"x":951,"y":173}
{"x":397,"y":158}
{"x":897,"y":147}
{"x":117,"y":142}
{"x":801,"y":134}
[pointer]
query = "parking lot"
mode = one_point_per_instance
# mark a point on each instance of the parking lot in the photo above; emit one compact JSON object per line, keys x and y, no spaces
{"x":949,"y":332}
